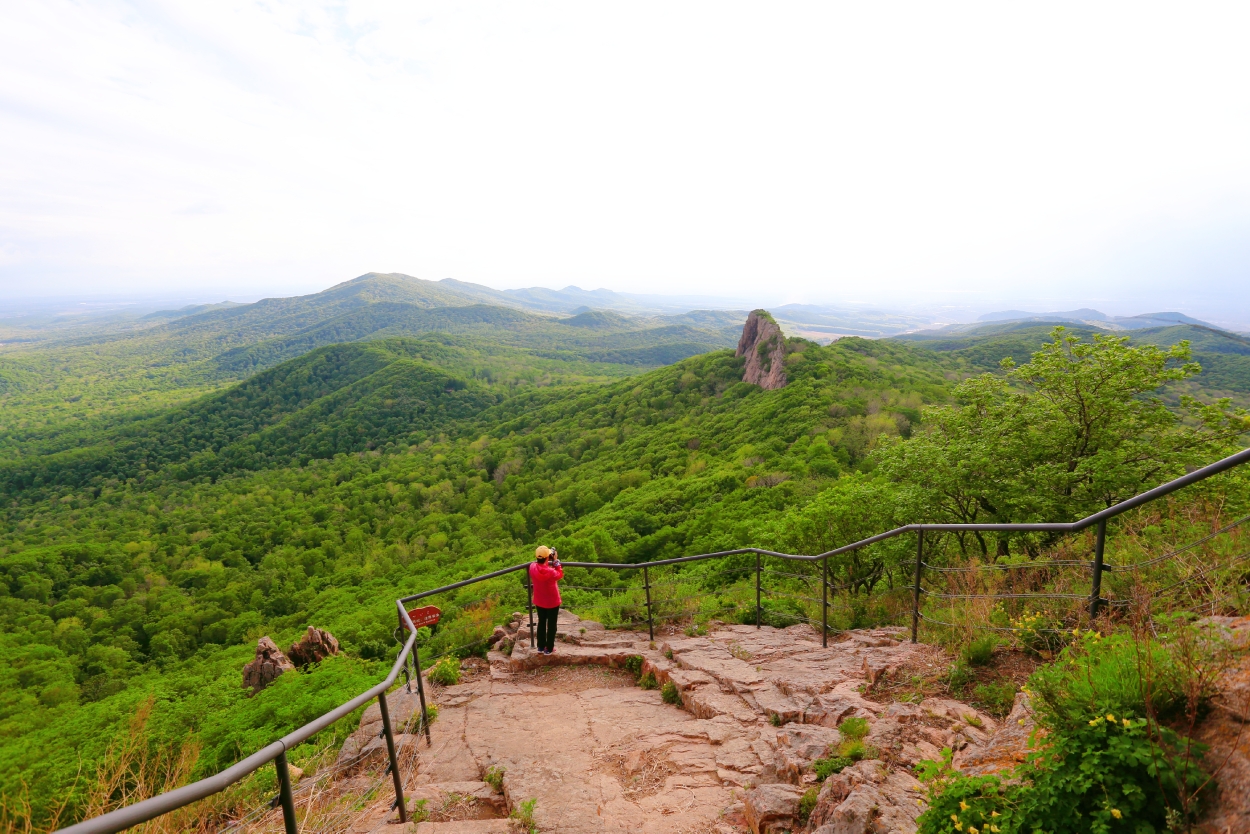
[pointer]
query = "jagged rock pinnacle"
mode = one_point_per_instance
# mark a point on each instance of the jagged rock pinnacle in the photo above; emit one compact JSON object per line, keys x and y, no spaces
{"x":764,"y":347}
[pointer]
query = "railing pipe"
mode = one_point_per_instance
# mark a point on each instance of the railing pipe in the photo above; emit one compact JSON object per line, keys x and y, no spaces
{"x":415,"y":656}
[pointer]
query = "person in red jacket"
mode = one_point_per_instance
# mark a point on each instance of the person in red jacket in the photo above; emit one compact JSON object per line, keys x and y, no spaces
{"x":545,"y":572}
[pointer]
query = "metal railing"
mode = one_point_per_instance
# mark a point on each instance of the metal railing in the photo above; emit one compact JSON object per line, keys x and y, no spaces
{"x":409,"y":663}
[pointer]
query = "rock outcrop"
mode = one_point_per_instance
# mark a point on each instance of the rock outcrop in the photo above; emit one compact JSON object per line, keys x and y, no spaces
{"x":315,"y":646}
{"x":268,"y":664}
{"x":764,"y":347}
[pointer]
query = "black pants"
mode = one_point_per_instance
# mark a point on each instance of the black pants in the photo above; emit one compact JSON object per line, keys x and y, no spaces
{"x":547,"y":628}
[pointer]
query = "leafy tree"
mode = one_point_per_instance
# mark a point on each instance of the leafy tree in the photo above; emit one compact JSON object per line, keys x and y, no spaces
{"x":1078,"y":428}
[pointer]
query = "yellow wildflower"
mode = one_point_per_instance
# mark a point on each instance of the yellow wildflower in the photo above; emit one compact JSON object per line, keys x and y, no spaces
{"x":1092,"y":721}
{"x":972,"y":829}
{"x":954,"y":818}
{"x":959,"y":826}
{"x":993,"y":828}
{"x":1111,"y":718}
{"x":1115,"y":812}
{"x":1127,"y":723}
{"x":963,"y":806}
{"x":995,"y":814}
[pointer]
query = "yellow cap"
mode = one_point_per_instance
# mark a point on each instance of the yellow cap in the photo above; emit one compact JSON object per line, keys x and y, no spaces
{"x":542,"y":552}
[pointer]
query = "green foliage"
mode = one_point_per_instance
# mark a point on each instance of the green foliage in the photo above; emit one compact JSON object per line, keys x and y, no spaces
{"x":420,"y":811}
{"x":959,"y":676}
{"x":980,"y":651}
{"x":446,"y":672}
{"x":648,"y":681}
{"x":669,"y":693}
{"x":995,"y":698}
{"x":826,"y":767}
{"x":1119,"y":674}
{"x":1078,"y":428}
{"x":494,"y":777}
{"x":854,"y":727}
{"x":523,"y":813}
{"x":633,"y":664}
{"x":161,"y":522}
{"x":1107,"y":775}
{"x":807,"y":804}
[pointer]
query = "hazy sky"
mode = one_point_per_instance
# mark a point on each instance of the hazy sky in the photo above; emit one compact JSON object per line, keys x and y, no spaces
{"x":1046,"y":155}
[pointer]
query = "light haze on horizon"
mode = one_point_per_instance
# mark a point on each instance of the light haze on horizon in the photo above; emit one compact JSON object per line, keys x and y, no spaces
{"x":981,"y":156}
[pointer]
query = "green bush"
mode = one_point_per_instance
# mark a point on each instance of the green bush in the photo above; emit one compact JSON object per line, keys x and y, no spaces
{"x":959,"y":676}
{"x":494,"y":777}
{"x":980,"y":651}
{"x":827,"y":767}
{"x":1111,"y":773}
{"x":1096,"y":675}
{"x":807,"y":804}
{"x":854,"y":727}
{"x":633,"y":664}
{"x":524,"y":815}
{"x":446,"y":672}
{"x":670,"y":694}
{"x":996,"y":698}
{"x":648,"y":681}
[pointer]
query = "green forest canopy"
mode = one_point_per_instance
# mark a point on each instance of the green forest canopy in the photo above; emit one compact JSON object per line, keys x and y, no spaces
{"x":142,"y":557}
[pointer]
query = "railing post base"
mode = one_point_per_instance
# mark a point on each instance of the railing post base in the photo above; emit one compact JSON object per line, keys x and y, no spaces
{"x":284,"y":794}
{"x":915,"y":598}
{"x":1095,"y":592}
{"x":646,"y":582}
{"x":394,"y":763}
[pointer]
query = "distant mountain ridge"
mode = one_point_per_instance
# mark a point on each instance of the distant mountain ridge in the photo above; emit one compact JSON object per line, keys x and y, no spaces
{"x":1089,"y":316}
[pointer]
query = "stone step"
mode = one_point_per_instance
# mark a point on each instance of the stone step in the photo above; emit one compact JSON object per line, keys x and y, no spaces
{"x":475,"y":800}
{"x":496,"y":826}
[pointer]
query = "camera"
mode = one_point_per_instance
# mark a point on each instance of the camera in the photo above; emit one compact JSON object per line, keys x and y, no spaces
{"x":554,"y":558}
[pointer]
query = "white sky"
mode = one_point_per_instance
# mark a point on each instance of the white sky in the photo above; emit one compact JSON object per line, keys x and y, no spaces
{"x":1052,"y":155}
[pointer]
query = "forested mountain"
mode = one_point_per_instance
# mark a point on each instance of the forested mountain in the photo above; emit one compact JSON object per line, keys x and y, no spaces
{"x":1224,"y":356}
{"x":232,"y":478}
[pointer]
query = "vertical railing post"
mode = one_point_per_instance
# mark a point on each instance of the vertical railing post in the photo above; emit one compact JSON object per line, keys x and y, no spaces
{"x":757,"y":590}
{"x":824,"y":602}
{"x":425,"y":716}
{"x":646,"y":583}
{"x":529,"y":587}
{"x":284,"y":793}
{"x":390,"y":752}
{"x":915,"y":594}
{"x":1095,"y":593}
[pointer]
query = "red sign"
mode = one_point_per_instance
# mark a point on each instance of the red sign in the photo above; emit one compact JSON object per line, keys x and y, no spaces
{"x":426,"y":616}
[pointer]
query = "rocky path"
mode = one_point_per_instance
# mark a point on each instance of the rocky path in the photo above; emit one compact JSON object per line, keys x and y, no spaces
{"x":598,"y":754}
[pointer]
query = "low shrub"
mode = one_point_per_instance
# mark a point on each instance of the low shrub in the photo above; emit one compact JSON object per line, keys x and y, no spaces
{"x":648,"y":681}
{"x":827,"y":767}
{"x":1120,"y":674}
{"x":995,"y":698}
{"x":446,"y":672}
{"x":980,"y":651}
{"x":854,"y":727}
{"x":1113,"y":774}
{"x":633,"y":664}
{"x":494,"y":777}
{"x":959,"y":676}
{"x":807,"y":804}
{"x":669,"y":693}
{"x":523,"y":813}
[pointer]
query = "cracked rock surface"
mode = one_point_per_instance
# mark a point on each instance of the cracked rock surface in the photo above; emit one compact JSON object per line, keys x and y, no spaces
{"x":596,"y":753}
